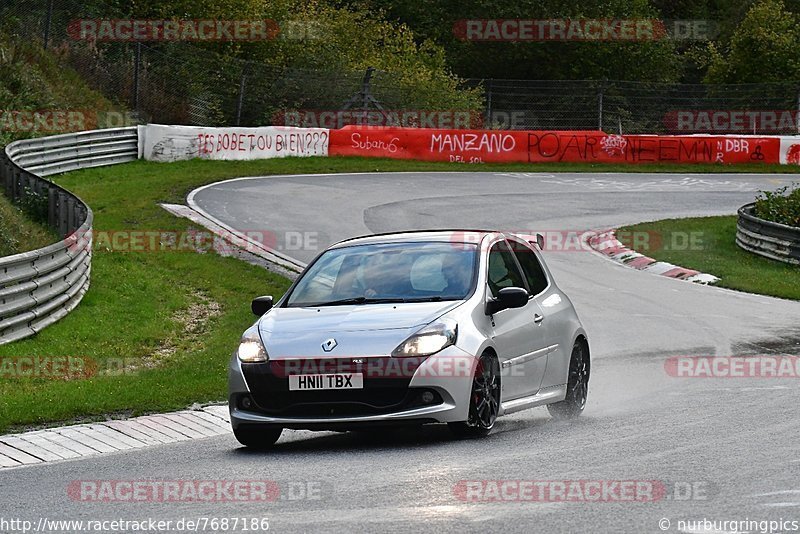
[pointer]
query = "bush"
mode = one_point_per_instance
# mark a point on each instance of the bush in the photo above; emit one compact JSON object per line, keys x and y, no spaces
{"x":35,"y":205}
{"x":780,"y":206}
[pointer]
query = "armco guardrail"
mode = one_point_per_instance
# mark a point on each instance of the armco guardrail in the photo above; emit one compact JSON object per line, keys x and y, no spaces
{"x":772,"y":240}
{"x":39,"y":287}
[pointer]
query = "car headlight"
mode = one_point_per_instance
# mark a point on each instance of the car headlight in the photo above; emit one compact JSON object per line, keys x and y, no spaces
{"x":251,"y":350}
{"x":429,"y":340}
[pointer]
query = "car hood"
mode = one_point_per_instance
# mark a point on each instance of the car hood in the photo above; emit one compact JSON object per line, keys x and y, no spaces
{"x":359,"y":330}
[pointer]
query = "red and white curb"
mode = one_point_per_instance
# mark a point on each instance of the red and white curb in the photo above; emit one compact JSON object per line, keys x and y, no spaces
{"x":607,"y":244}
{"x":78,"y":441}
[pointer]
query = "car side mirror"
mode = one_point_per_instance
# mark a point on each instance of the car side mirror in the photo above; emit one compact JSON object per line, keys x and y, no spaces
{"x":261,"y":305}
{"x":539,"y":242}
{"x":508,"y":297}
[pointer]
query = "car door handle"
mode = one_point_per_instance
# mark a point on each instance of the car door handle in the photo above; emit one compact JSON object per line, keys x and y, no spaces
{"x":537,"y":318}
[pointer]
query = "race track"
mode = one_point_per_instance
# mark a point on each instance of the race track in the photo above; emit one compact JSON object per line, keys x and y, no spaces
{"x":734,"y":440}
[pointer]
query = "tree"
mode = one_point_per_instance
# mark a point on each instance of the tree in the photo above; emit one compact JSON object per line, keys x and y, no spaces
{"x":764,"y":48}
{"x":650,"y":60}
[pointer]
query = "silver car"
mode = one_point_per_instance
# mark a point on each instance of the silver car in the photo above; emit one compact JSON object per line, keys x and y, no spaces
{"x":456,"y":327}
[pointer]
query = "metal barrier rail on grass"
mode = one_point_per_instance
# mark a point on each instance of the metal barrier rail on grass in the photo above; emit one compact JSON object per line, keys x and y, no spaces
{"x":39,"y":287}
{"x":766,"y":238}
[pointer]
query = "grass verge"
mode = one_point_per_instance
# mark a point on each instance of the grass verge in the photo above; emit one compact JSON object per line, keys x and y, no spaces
{"x":173,"y":318}
{"x":708,"y":244}
{"x":18,"y":233}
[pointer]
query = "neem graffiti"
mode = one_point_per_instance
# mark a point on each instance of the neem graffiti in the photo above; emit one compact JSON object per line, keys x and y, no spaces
{"x":555,"y":146}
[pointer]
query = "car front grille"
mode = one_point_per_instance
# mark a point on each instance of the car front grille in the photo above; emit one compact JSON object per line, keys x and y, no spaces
{"x":382,"y":392}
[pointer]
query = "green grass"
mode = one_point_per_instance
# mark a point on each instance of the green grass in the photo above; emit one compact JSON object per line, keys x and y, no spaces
{"x":137,"y":305}
{"x":18,"y":233}
{"x":708,"y":244}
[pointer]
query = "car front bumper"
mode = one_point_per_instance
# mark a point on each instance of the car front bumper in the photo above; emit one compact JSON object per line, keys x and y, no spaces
{"x":448,"y":374}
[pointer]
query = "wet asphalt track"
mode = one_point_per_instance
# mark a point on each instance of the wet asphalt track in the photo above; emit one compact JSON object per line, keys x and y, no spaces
{"x":735,"y":440}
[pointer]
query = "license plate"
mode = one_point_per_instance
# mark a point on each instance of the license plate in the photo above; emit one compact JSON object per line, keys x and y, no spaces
{"x":329,"y":381}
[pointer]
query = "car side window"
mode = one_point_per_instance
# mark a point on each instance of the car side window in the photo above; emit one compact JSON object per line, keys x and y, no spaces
{"x":503,"y":270}
{"x":534,"y":273}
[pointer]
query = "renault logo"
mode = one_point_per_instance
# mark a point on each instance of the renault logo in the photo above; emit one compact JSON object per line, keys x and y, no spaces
{"x":329,"y":345}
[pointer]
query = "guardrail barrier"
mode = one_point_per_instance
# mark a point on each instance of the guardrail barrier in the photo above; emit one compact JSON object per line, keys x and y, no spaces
{"x":39,"y":287}
{"x":766,"y":238}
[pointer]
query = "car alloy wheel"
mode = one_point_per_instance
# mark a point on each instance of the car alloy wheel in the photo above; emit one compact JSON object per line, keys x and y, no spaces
{"x":484,"y":399}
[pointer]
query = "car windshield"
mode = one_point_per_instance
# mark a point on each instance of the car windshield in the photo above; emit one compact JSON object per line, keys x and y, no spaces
{"x":395,"y":272}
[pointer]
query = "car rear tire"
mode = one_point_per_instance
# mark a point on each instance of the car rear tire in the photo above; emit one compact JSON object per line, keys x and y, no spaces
{"x":484,"y":403}
{"x":258,"y":437}
{"x":577,"y":385}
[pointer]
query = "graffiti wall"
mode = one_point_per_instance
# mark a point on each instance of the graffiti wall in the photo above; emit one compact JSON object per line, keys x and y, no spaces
{"x":173,"y":143}
{"x":550,"y":146}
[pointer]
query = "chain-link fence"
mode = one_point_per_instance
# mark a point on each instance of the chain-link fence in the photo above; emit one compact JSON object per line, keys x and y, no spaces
{"x":637,"y":107}
{"x":184,"y":83}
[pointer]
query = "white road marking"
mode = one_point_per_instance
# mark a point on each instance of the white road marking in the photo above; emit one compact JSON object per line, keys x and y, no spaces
{"x":783,"y":492}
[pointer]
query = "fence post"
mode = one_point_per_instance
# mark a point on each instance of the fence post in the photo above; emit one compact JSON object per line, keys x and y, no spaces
{"x":136,"y":66}
{"x":48,"y":19}
{"x":797,"y":118}
{"x":488,"y":104}
{"x":600,"y":107}
{"x":240,"y":100}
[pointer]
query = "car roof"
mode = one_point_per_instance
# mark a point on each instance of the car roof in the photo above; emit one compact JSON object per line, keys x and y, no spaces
{"x":438,"y":235}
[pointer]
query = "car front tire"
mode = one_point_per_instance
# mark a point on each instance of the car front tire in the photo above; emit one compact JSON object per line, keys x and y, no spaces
{"x":484,"y":403}
{"x":257,"y":437}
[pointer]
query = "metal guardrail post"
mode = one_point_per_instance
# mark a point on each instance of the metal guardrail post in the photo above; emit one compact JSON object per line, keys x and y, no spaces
{"x":52,"y":207}
{"x":63,"y":223}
